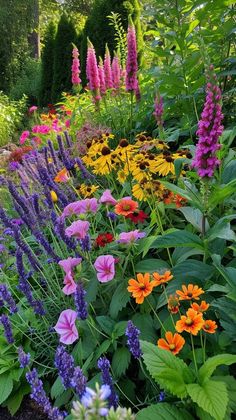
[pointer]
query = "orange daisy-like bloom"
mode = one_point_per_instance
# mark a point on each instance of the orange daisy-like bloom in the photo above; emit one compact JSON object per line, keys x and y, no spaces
{"x":126,"y":206}
{"x":179,"y":201}
{"x":141,"y":287}
{"x":62,"y":176}
{"x":201,"y":307}
{"x":189,"y":292}
{"x":173,"y":304}
{"x":162,"y":278}
{"x":173,"y":342}
{"x":209,"y":326}
{"x":192,"y":322}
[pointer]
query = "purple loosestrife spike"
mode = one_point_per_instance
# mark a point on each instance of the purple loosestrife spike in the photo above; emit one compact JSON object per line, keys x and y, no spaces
{"x":39,"y":396}
{"x":107,"y":69}
{"x":116,"y":72}
{"x":24,"y":358}
{"x":7,"y":328}
{"x":80,"y":303}
{"x":75,"y":69}
{"x":158,"y":110}
{"x":209,"y":129}
{"x":6,"y":296}
{"x":92,"y":73}
{"x":64,"y":362}
{"x":132,"y":333}
{"x":104,"y":366}
{"x":131,"y":80}
{"x":101,"y":77}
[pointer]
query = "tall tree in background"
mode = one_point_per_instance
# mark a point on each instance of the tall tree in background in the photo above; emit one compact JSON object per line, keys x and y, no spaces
{"x":98,"y":30}
{"x":65,"y":36}
{"x":34,"y":35}
{"x":47,"y":65}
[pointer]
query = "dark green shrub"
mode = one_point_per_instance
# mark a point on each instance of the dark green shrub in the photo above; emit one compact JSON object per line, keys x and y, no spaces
{"x":45,"y":96}
{"x":28,"y":82}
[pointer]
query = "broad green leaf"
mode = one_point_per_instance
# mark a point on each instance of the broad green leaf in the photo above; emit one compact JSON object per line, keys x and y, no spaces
{"x":14,"y":401}
{"x":230,"y":382}
{"x":221,"y":230}
{"x":191,"y":196}
{"x":119,"y":299}
{"x":211,"y":396}
{"x":150,"y":265}
{"x":64,"y":398}
{"x":161,"y":362}
{"x":106,"y":323}
{"x":163,"y":411}
{"x":119,"y":329}
{"x":120,"y":361}
{"x":102,"y":349}
{"x":145,"y":324}
{"x":212,"y":363}
{"x":229,"y":172}
{"x":221,"y":193}
{"x":193,"y":268}
{"x":57,"y":388}
{"x":144,"y":245}
{"x":6,"y":386}
{"x":181,"y":238}
{"x":182,"y":254}
{"x":194,"y":216}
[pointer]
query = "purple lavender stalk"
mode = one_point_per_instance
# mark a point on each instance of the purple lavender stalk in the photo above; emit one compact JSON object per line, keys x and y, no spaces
{"x":7,"y":328}
{"x":104,"y":366}
{"x":209,"y":129}
{"x":132,"y":333}
{"x":5,"y":295}
{"x":80,"y":303}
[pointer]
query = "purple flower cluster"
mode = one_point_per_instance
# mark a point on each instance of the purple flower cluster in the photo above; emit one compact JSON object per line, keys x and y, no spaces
{"x":131,"y":80}
{"x":209,"y":130}
{"x":104,"y":366}
{"x":7,"y":328}
{"x":24,"y":358}
{"x":6,"y":296}
{"x":70,"y":375}
{"x":158,"y":110}
{"x":80,"y":303}
{"x":132,"y":333}
{"x":39,"y":396}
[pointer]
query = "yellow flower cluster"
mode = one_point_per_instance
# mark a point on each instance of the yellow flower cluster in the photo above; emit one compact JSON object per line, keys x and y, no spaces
{"x":141,"y":163}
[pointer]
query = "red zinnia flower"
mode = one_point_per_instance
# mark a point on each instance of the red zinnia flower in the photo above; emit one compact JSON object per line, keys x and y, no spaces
{"x":137,"y":216}
{"x":103,"y":239}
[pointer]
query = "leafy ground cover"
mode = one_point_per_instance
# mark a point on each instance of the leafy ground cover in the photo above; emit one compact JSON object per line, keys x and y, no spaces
{"x":117,"y":245}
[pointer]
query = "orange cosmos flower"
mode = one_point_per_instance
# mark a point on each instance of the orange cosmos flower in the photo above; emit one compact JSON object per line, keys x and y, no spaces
{"x":126,"y":206}
{"x":62,"y":176}
{"x":201,"y":307}
{"x":162,"y":278}
{"x":189,"y":292}
{"x":141,"y":287}
{"x":173,"y":304}
{"x":173,"y":343}
{"x":209,"y":326}
{"x":192,"y":323}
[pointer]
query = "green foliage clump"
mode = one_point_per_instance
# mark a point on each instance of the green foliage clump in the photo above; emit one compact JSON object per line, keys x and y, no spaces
{"x":11,"y":114}
{"x":27,"y":82}
{"x":45,"y":96}
{"x":65,"y":36}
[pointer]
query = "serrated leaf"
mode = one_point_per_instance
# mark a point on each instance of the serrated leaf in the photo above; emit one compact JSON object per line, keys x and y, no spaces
{"x":212,"y":363}
{"x":6,"y":386}
{"x":159,"y":361}
{"x":119,"y":299}
{"x":120,"y":361}
{"x":172,"y":381}
{"x":163,"y":411}
{"x":106,"y":323}
{"x":211,"y":396}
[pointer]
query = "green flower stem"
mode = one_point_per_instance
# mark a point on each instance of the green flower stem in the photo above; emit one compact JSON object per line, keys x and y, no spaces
{"x":158,"y":318}
{"x":203,"y":347}
{"x":194,"y":356}
{"x":162,"y":231}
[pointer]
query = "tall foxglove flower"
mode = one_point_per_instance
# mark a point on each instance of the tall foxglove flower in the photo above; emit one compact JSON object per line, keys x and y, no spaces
{"x":107,"y":69}
{"x":131,"y":80}
{"x":116,"y":72}
{"x":75,"y":69}
{"x":92,"y":72}
{"x":209,"y":129}
{"x":101,"y":74}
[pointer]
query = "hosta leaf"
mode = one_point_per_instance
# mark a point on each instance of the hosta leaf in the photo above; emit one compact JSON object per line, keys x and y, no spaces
{"x":211,"y":396}
{"x":163,"y":411}
{"x":211,"y":364}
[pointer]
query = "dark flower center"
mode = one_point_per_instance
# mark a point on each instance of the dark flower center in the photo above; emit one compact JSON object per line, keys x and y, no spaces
{"x":106,"y":151}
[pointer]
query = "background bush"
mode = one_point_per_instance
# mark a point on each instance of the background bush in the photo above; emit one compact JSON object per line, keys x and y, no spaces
{"x":11,"y":115}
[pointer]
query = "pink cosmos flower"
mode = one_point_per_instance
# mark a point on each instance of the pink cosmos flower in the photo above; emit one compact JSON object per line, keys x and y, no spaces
{"x":66,"y":328}
{"x":68,"y":265}
{"x":32,"y":109}
{"x":24,"y":136}
{"x":78,"y":229}
{"x":105,"y":267}
{"x":132,"y":236}
{"x":107,"y":198}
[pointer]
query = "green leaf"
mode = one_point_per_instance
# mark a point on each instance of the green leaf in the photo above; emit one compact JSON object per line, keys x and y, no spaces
{"x":211,"y":396}
{"x":150,"y":265}
{"x":6,"y":386}
{"x":145,"y":324}
{"x":63,"y":398}
{"x":193,"y":268}
{"x":14,"y":401}
{"x":221,"y":193}
{"x":230,"y":382}
{"x":119,"y":299}
{"x":163,"y":411}
{"x":102,"y":349}
{"x":161,"y":364}
{"x":57,"y":388}
{"x":120,"y":361}
{"x":107,"y":324}
{"x":193,"y":216}
{"x":211,"y":364}
{"x":190,"y":195}
{"x":178,"y":238}
{"x":221,"y":230}
{"x":144,"y":245}
{"x":119,"y":329}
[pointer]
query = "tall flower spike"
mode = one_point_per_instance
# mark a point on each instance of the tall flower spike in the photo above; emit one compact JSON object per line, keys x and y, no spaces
{"x":132,"y":333}
{"x":101,"y":77}
{"x":131,"y":80}
{"x":107,"y":69}
{"x":80,"y":303}
{"x":64,"y":362}
{"x":209,"y":129}
{"x":7,"y":328}
{"x":116,"y":72}
{"x":92,"y":72}
{"x":158,"y":110}
{"x":104,"y":366}
{"x":75,"y":69}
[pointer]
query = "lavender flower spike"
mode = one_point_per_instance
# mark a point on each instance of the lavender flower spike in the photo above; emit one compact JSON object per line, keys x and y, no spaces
{"x":7,"y":328}
{"x":104,"y":366}
{"x":64,"y":362}
{"x":6,"y":296}
{"x":132,"y":333}
{"x":80,"y":303}
{"x":24,"y":358}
